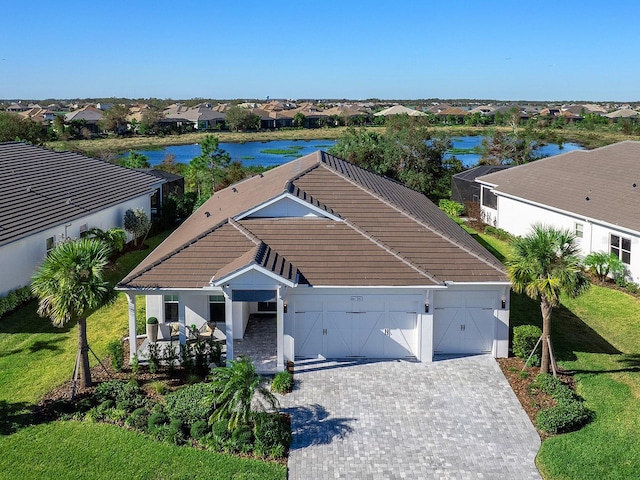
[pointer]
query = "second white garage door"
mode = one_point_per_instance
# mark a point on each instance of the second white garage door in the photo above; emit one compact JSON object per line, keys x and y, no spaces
{"x":464,"y":322}
{"x":366,"y":326}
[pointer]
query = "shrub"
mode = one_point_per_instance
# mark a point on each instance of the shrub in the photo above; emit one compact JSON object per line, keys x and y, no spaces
{"x":135,"y":365}
{"x":633,"y":288}
{"x":157,"y":419}
{"x":241,"y":439}
{"x":186,"y":357}
{"x":602,"y":264}
{"x":199,"y":429}
{"x":525,"y":338}
{"x":215,"y":353}
{"x":138,"y":418}
{"x":127,"y":395}
{"x":569,"y":413}
{"x":169,"y":356}
{"x":154,"y":357}
{"x":106,"y":405}
{"x":15,"y":299}
{"x":282,"y":382}
{"x":171,"y":433}
{"x":220,"y":429}
{"x":115,"y":390}
{"x":116,"y":351}
{"x":450,"y":207}
{"x":498,"y":233}
{"x":161,"y":388}
{"x":271,"y":431}
{"x":564,"y":417}
{"x":189,"y":404}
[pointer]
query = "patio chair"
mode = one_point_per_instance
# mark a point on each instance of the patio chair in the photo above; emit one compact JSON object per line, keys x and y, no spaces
{"x":175,"y":330}
{"x":207,"y":330}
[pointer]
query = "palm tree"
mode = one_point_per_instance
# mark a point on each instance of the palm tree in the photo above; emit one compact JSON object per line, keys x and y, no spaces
{"x":235,"y":389}
{"x":70,"y":285}
{"x":544,"y":264}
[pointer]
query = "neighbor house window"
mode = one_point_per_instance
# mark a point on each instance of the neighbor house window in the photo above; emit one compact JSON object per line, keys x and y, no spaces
{"x":621,"y":247}
{"x":51,"y":243}
{"x":170,"y":308}
{"x":489,"y":199}
{"x":579,"y":230}
{"x":83,"y":230}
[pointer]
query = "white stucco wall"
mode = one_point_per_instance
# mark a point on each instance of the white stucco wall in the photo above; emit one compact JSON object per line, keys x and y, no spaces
{"x":20,"y":259}
{"x":516,"y":217}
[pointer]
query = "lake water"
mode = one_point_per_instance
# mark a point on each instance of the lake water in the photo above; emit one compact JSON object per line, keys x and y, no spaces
{"x":256,"y":153}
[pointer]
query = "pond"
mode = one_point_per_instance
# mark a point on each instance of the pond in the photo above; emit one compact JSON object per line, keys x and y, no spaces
{"x":463,"y":149}
{"x":277,"y":152}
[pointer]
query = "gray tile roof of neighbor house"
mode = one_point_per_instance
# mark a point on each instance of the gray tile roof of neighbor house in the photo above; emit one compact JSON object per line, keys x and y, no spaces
{"x":41,"y":188}
{"x":601,"y":184}
{"x":375,"y":232}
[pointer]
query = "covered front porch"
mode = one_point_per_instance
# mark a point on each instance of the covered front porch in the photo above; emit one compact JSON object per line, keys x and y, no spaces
{"x":245,"y":322}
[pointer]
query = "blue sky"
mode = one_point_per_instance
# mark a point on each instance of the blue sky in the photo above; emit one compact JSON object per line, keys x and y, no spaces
{"x":559,"y":50}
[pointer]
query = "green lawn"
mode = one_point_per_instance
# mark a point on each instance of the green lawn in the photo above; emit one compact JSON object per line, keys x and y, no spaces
{"x":71,"y":450}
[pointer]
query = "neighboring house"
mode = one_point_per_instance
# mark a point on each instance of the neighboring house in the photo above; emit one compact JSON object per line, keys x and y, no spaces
{"x":399,"y":110}
{"x":595,"y":194}
{"x":351,"y":264}
{"x":200,"y":118}
{"x":47,"y":197}
{"x":464,"y":187}
{"x":88,"y":115}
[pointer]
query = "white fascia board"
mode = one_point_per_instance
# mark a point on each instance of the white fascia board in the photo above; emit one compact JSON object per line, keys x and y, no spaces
{"x":577,"y":216}
{"x":451,"y":283}
{"x":378,"y":287}
{"x":227,"y":278}
{"x":288,"y":196}
{"x":485,"y":183}
{"x":167,"y":290}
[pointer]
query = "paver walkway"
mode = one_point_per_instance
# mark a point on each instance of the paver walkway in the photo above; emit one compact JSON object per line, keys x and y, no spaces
{"x":454,"y":418}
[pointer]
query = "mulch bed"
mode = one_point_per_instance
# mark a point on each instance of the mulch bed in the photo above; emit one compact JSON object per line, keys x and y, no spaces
{"x":531,"y":399}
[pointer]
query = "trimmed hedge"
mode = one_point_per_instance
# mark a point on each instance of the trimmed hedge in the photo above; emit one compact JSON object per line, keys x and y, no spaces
{"x":568,"y":415}
{"x":525,"y":338}
{"x":14,"y":299}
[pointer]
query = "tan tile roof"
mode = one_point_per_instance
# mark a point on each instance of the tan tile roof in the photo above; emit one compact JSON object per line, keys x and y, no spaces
{"x":390,"y":235}
{"x":601,"y":184}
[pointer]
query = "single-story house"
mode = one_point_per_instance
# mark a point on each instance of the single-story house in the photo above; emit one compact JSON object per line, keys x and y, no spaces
{"x":349,"y":263}
{"x":595,"y":194}
{"x":399,"y":110}
{"x":47,"y":197}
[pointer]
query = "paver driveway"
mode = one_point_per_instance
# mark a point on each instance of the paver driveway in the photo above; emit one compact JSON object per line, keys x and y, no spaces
{"x":454,"y":418}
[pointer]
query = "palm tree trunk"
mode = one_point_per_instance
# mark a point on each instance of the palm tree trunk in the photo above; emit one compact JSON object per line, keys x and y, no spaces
{"x":546,"y":308}
{"x":83,"y":346}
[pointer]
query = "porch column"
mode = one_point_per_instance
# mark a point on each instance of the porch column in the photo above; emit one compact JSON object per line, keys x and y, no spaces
{"x":228,"y":324}
{"x":181,"y":320}
{"x":280,"y":330}
{"x":133,"y":344}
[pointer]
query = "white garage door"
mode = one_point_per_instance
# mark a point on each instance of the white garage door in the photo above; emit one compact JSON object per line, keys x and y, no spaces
{"x":366,"y":326}
{"x":464,"y":322}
